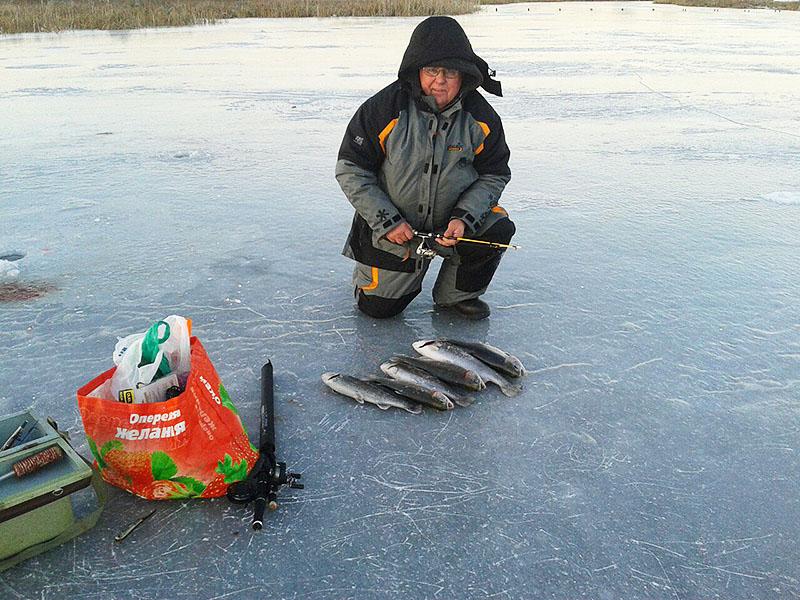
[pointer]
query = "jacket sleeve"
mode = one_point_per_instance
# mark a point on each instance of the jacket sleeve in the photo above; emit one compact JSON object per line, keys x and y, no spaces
{"x":491,"y":163}
{"x":359,"y":161}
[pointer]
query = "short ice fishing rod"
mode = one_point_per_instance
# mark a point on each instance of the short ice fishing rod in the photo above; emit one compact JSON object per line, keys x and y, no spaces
{"x":268,"y":475}
{"x":433,"y":236}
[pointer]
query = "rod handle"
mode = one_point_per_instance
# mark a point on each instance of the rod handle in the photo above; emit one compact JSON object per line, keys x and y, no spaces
{"x":258,"y":512}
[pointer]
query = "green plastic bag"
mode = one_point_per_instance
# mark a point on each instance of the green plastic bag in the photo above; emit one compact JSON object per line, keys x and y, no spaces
{"x":160,"y":353}
{"x":151,"y":345}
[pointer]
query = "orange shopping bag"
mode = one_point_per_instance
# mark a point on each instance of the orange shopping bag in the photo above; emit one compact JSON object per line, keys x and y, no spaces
{"x":193,"y":445}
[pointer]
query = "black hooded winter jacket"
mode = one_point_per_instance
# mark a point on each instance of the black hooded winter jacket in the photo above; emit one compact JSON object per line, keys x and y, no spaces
{"x":403,"y":159}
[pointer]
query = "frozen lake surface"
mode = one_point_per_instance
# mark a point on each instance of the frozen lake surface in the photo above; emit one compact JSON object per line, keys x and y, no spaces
{"x":656,"y":192}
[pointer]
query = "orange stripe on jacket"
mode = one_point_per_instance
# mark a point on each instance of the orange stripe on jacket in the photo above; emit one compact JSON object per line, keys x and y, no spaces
{"x":486,"y":132}
{"x":385,"y":133}
{"x":500,"y":209}
{"x":374,"y":282}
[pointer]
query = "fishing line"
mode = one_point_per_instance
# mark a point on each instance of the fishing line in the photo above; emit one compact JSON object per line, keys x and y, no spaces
{"x":735,"y":122}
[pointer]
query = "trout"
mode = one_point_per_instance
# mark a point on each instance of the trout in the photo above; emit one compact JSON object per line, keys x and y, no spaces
{"x":445,"y":351}
{"x":492,"y":356}
{"x":445,"y":370}
{"x":434,"y":398}
{"x":420,"y":377}
{"x":363,"y":391}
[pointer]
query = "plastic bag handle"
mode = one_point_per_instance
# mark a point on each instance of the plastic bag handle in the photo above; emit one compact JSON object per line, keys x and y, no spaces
{"x":150,"y":346}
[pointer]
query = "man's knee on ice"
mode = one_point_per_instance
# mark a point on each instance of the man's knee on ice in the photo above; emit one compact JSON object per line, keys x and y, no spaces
{"x":383,"y":308}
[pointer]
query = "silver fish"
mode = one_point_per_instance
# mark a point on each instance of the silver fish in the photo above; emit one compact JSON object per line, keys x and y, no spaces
{"x":445,"y":370}
{"x":445,"y":351}
{"x":417,"y":393}
{"x":362,"y":391}
{"x":423,"y":379}
{"x":492,"y":356}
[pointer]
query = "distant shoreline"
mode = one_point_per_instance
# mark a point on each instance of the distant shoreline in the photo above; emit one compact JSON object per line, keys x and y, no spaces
{"x":747,"y":4}
{"x":34,"y":16}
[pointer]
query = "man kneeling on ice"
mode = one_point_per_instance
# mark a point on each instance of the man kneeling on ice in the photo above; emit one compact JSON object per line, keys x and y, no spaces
{"x":424,"y":162}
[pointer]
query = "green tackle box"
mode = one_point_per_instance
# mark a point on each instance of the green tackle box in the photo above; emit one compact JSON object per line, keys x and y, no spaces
{"x":36,"y":511}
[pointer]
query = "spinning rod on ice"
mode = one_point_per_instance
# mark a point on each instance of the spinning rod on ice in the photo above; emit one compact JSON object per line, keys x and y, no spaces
{"x":268,"y":475}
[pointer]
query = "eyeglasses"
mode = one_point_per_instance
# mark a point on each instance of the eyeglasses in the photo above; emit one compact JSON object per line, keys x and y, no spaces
{"x":435,"y":71}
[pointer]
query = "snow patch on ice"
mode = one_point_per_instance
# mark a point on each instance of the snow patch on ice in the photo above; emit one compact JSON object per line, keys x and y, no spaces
{"x":791,"y":197}
{"x":9,"y":271}
{"x":186,"y":155}
{"x":78,"y":204}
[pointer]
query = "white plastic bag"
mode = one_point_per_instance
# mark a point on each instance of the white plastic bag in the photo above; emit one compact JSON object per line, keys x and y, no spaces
{"x":173,"y":356}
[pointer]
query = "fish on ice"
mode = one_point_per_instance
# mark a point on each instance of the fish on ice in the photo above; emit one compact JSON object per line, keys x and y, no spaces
{"x":362,"y":391}
{"x":493,"y":356}
{"x":428,"y":397}
{"x":440,"y":350}
{"x":423,"y":379}
{"x":446,"y":371}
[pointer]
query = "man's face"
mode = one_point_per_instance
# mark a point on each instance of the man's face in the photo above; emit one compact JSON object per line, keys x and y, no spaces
{"x":443,"y":84}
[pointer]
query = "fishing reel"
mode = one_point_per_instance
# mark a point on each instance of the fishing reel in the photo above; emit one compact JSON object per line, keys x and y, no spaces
{"x":427,"y":248}
{"x":262,"y":486}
